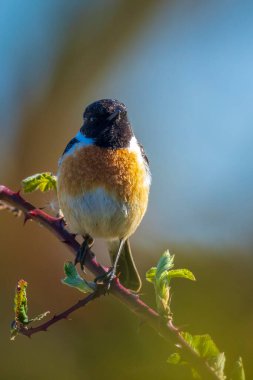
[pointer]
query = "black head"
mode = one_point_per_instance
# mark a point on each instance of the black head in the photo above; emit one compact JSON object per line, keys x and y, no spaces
{"x":106,"y":122}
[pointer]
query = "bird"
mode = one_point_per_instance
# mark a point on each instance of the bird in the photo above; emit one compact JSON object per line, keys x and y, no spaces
{"x":103,"y":185}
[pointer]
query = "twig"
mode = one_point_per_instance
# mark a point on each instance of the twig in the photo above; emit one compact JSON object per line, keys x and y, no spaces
{"x":165,"y":328}
{"x":29,"y":331}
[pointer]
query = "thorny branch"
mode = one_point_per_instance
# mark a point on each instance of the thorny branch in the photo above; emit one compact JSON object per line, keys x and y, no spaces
{"x":29,"y":331}
{"x":164,"y":327}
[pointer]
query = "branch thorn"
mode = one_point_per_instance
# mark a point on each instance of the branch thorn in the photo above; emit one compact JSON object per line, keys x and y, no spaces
{"x":17,"y":193}
{"x":27,"y":217}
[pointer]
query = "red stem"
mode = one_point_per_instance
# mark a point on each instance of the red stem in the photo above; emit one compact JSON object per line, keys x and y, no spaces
{"x":132,"y":301}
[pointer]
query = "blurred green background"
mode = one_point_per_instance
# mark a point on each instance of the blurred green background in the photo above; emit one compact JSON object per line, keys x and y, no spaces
{"x":184,"y":70}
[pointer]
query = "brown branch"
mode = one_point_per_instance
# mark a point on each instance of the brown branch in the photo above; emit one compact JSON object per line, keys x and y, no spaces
{"x":165,"y":328}
{"x":29,"y":331}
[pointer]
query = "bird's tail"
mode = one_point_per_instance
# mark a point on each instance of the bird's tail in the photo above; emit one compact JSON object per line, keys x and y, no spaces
{"x":126,"y":268}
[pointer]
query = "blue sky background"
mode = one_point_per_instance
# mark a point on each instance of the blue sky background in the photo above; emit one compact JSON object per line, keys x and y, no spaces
{"x":187,"y":81}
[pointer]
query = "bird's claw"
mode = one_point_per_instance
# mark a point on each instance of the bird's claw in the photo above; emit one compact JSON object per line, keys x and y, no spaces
{"x":83,"y":250}
{"x":106,"y":279}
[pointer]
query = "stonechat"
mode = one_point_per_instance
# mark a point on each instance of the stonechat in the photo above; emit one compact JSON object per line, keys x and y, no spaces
{"x":103,"y":185}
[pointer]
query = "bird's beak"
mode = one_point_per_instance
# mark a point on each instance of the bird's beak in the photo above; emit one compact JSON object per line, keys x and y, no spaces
{"x":113,"y":115}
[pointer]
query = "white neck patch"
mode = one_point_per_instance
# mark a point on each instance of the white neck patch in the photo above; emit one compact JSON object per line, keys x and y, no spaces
{"x":135,"y":147}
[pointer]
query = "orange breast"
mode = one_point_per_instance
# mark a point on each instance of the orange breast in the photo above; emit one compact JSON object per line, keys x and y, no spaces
{"x":117,"y":171}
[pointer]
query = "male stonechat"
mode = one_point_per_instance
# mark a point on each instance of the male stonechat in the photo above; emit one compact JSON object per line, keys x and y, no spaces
{"x":103,"y":185}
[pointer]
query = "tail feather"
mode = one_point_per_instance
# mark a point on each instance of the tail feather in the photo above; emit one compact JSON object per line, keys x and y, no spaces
{"x":126,"y":268}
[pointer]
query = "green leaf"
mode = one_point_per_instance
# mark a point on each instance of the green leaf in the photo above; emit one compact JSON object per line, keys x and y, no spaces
{"x":74,"y":280}
{"x":70,"y":270}
{"x":202,"y":344}
{"x":165,"y":263}
{"x":163,"y":302}
{"x":21,"y":309}
{"x":41,"y":181}
{"x":150,"y":274}
{"x":20,"y":303}
{"x":218,"y":364}
{"x":161,"y":283}
{"x":181,"y":273}
{"x":174,"y":358}
{"x":207,"y":349}
{"x":160,"y":276}
{"x":238,"y":371}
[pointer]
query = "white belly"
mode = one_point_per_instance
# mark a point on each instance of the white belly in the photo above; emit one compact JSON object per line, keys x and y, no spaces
{"x":99,"y":214}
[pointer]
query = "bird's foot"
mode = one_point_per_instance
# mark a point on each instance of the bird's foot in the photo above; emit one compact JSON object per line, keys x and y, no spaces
{"x":83,"y":250}
{"x":106,"y":279}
